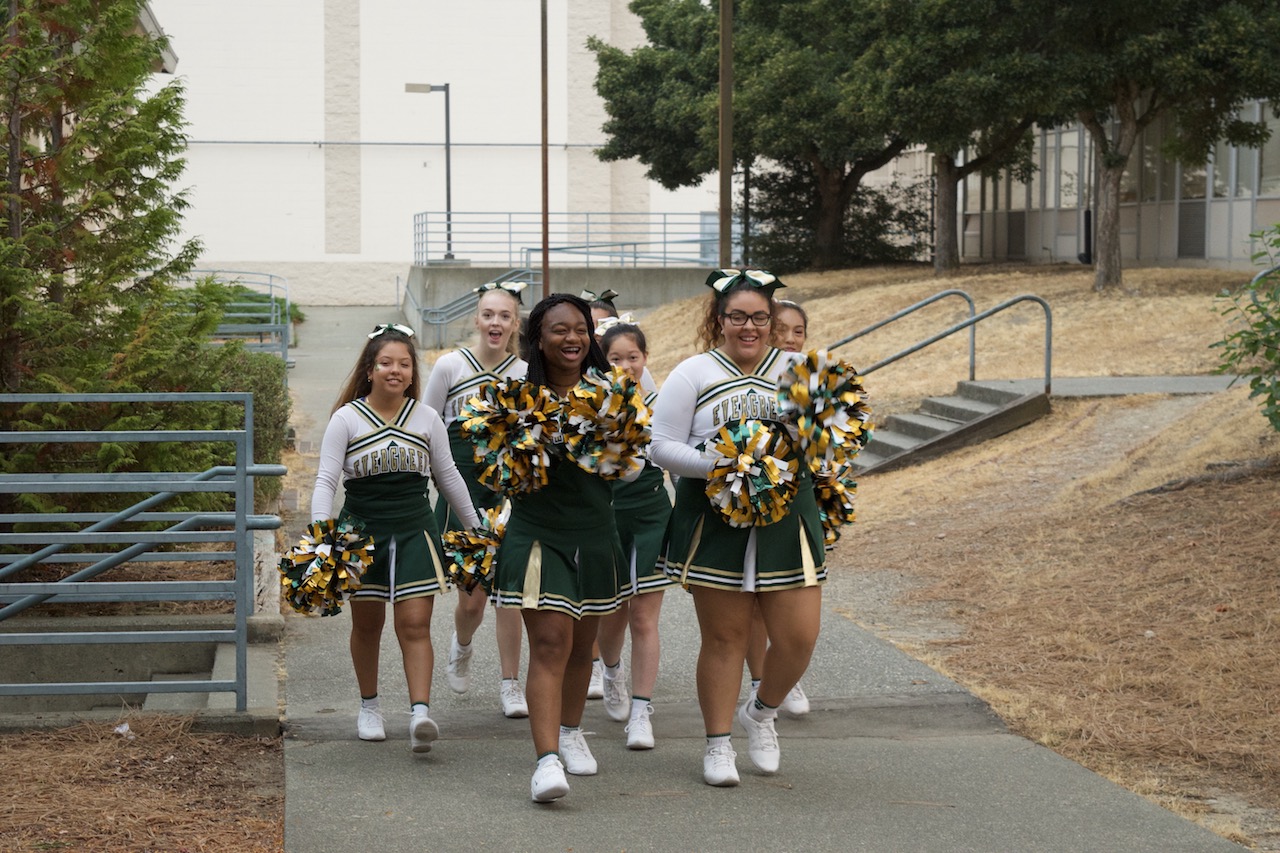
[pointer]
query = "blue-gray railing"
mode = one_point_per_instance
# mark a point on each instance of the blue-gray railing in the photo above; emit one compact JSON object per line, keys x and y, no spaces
{"x":513,"y":239}
{"x":54,"y":544}
{"x":437,"y":318}
{"x":261,"y":324}
{"x":970,"y":324}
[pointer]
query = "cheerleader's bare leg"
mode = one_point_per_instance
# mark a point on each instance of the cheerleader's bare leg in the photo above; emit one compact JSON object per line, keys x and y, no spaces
{"x":412,"y":620}
{"x":724,"y":620}
{"x":551,"y":640}
{"x":367,"y":618}
{"x":793,"y":618}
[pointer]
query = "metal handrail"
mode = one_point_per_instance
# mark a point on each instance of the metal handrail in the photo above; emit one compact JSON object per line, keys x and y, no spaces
{"x":440,"y":316}
{"x":912,"y":309}
{"x":17,"y":596}
{"x":973,"y":321}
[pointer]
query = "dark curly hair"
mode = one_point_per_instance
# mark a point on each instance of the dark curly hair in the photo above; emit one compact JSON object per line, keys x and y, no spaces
{"x":537,"y":370}
{"x":709,"y":332}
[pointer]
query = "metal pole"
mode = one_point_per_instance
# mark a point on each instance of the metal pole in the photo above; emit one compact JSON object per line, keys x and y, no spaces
{"x":726,"y":133}
{"x":546,"y":227}
{"x":448,"y":182}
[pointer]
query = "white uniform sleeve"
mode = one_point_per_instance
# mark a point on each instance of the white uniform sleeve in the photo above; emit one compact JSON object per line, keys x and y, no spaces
{"x":647,"y":384}
{"x":673,"y":428}
{"x":436,"y":394}
{"x":445,"y":473}
{"x":333,"y":452}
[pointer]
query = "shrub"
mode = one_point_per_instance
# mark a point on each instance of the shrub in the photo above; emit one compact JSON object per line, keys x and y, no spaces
{"x":1252,"y":350}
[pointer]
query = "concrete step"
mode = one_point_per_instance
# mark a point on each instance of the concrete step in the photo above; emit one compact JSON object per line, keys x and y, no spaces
{"x":887,"y":442}
{"x":957,"y":408}
{"x":177,"y":703}
{"x":918,"y":425}
{"x":263,"y":685}
{"x":996,"y":393}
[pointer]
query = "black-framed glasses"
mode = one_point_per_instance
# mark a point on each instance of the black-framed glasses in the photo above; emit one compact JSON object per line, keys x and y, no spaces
{"x":740,"y":318}
{"x":391,"y":327}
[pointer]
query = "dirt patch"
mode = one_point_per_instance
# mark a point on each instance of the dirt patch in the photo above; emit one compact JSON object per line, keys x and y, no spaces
{"x":1105,"y":579}
{"x":144,"y":783}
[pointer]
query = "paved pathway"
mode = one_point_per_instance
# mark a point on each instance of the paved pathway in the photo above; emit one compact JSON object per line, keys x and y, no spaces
{"x":894,"y":756}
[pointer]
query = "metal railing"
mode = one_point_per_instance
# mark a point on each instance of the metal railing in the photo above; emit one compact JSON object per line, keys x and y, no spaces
{"x":261,"y":323}
{"x":608,"y":239}
{"x":437,"y":318}
{"x":91,"y":540}
{"x":971,"y":323}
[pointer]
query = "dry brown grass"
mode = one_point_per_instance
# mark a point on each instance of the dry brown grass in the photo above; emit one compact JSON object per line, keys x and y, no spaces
{"x":88,"y":788}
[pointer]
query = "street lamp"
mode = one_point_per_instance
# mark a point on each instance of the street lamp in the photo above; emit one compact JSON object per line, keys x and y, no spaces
{"x":448,"y":163}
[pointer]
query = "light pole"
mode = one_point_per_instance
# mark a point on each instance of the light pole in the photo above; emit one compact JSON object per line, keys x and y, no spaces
{"x":448,"y":162}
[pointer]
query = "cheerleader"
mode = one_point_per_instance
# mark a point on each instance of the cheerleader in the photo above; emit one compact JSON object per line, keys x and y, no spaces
{"x":456,"y":376}
{"x":605,"y":314}
{"x":729,"y":569}
{"x":560,"y":561}
{"x":790,"y":332}
{"x":642,"y":509}
{"x":383,"y":444}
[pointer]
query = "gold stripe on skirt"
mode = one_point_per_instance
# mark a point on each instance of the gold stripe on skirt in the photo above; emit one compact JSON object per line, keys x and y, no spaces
{"x":533,"y":578}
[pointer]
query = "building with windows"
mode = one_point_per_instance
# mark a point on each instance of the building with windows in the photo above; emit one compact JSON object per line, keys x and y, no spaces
{"x":1171,"y":213}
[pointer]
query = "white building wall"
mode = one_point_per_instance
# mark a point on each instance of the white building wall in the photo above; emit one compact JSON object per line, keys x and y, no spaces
{"x":308,"y":159}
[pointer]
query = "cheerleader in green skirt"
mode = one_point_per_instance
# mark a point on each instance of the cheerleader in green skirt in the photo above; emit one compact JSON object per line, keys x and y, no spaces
{"x":642,"y":509}
{"x":454,"y":378}
{"x":730,"y":570}
{"x":560,"y":561}
{"x":382,"y":444}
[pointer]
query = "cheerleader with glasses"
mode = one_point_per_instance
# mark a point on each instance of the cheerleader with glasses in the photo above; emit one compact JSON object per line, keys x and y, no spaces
{"x":455,"y":377}
{"x":382,"y":444}
{"x":730,"y":569}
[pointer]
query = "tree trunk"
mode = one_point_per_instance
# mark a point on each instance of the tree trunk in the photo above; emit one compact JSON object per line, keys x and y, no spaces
{"x":1107,"y":265}
{"x":946,"y":246}
{"x":828,"y":230}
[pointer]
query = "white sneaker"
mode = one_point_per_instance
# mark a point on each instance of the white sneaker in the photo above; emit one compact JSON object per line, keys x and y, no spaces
{"x":548,"y":782}
{"x":718,"y":767}
{"x":369,"y":725}
{"x":640,"y":730}
{"x":458,"y":671}
{"x":617,"y":702}
{"x":422,"y":730}
{"x":513,"y":701}
{"x":762,"y":739}
{"x":595,"y":689}
{"x":796,"y":702}
{"x":576,"y":755}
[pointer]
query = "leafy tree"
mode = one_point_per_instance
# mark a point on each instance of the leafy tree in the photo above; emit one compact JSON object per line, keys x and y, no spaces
{"x":961,"y":75}
{"x":89,"y":214}
{"x":796,"y":101}
{"x":1131,"y":63}
{"x":1253,"y":348}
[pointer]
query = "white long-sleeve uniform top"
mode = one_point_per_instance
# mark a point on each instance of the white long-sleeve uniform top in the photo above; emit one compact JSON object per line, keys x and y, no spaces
{"x":704,"y":393}
{"x":359,"y":443}
{"x":457,"y":375}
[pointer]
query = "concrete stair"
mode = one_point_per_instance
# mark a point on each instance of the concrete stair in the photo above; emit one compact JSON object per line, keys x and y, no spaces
{"x":976,"y":412}
{"x":263,"y":683}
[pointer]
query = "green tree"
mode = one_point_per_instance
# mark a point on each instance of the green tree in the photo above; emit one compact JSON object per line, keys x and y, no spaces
{"x":1195,"y":62}
{"x":90,"y":218}
{"x":795,"y":100}
{"x":956,"y":76}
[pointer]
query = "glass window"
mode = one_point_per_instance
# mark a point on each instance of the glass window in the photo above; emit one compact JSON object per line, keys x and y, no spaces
{"x":1129,"y":180}
{"x":1269,"y":166}
{"x":1246,"y":172}
{"x":1168,"y":166}
{"x":1051,"y":172}
{"x":1017,"y":193}
{"x":1150,"y":160}
{"x":1221,"y":165}
{"x":1038,"y":174}
{"x":1193,"y":181}
{"x":973,"y":193}
{"x":1069,"y":186}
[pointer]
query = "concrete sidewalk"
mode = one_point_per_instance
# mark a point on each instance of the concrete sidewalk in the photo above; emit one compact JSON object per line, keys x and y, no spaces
{"x":893,"y":757}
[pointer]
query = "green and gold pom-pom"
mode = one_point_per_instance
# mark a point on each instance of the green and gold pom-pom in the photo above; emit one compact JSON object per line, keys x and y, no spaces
{"x":834,"y":490}
{"x":474,"y":552}
{"x":606,"y":424}
{"x":512,"y":425}
{"x":754,"y":475}
{"x":319,"y":573}
{"x":822,"y":398}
